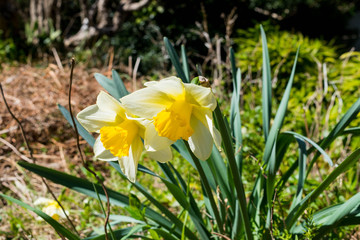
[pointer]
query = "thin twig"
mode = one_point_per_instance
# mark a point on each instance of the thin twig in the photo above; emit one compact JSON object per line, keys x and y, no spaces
{"x":221,"y":235}
{"x":81,"y":155}
{"x":13,"y":148}
{"x":33,"y":160}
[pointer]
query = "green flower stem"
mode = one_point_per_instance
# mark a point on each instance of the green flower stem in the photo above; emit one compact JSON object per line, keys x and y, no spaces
{"x":207,"y":188}
{"x":229,"y":151}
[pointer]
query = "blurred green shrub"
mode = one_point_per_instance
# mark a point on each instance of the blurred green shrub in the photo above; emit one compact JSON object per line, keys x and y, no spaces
{"x":8,"y":49}
{"x":325,"y":83}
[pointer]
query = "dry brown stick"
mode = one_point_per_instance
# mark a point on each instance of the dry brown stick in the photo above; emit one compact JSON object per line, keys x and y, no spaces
{"x":13,"y":148}
{"x":33,"y":159}
{"x":81,"y":155}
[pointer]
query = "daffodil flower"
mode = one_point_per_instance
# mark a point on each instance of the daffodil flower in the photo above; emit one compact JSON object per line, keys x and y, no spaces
{"x":178,"y":111}
{"x":121,"y":135}
{"x":51,"y":208}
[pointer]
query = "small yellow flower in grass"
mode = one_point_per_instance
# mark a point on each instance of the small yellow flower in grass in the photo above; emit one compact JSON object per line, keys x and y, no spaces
{"x":50,"y":207}
{"x":121,"y":135}
{"x":179,"y":111}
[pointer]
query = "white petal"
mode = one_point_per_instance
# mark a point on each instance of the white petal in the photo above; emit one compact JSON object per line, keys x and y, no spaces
{"x":200,"y":96}
{"x":163,"y":155}
{"x":107,"y":103}
{"x":217,"y":138}
{"x":172,"y":86}
{"x":201,"y":141}
{"x":205,"y":116}
{"x":153,"y":141}
{"x":101,"y":153}
{"x":92,"y":118}
{"x":42,"y":200}
{"x":146,"y":102}
{"x":129,"y":164}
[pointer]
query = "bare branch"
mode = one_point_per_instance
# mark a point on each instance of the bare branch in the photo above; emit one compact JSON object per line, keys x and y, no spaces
{"x":128,"y":5}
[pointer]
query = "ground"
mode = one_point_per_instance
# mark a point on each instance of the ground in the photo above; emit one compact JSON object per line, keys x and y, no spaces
{"x":32,"y":94}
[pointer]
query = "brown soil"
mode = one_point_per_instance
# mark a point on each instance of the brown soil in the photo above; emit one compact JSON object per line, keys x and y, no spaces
{"x":33,"y":94}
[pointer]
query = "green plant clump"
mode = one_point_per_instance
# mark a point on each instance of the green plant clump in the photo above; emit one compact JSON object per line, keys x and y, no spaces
{"x":280,"y":198}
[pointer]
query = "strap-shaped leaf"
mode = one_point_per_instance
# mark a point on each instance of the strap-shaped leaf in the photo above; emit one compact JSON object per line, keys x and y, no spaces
{"x":280,"y":115}
{"x":56,"y":225}
{"x":354,"y":130}
{"x":108,"y":85}
{"x":300,"y":207}
{"x":82,"y":131}
{"x":302,"y":171}
{"x":315,"y":145}
{"x":118,"y":234}
{"x":235,"y":119}
{"x":185,"y":63}
{"x":236,"y":178}
{"x":266,"y":86}
{"x":85,"y":187}
{"x":338,"y":129}
{"x":119,"y":84}
{"x":115,"y":87}
{"x":178,"y":224}
{"x":174,"y":57}
{"x":327,"y":219}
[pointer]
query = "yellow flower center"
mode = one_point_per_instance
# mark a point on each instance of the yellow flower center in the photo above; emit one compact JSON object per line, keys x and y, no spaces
{"x":117,"y":139}
{"x":52,"y":207}
{"x":174,"y":122}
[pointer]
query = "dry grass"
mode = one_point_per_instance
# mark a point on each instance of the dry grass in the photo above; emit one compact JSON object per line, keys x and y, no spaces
{"x":33,"y":94}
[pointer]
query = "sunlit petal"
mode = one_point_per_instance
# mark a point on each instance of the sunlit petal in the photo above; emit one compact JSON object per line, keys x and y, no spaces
{"x":101,"y":153}
{"x":163,"y":155}
{"x":201,"y":142}
{"x":171,"y":86}
{"x":107,"y":103}
{"x":92,"y":118}
{"x":200,"y":96}
{"x":153,"y":141}
{"x":128,"y":164}
{"x":146,"y":102}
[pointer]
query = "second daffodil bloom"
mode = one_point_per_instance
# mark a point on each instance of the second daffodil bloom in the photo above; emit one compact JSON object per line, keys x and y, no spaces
{"x":121,"y":135}
{"x":178,"y":111}
{"x":51,"y":208}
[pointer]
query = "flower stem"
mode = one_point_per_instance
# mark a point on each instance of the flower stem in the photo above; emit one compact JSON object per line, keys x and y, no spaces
{"x":229,"y":151}
{"x":206,"y":185}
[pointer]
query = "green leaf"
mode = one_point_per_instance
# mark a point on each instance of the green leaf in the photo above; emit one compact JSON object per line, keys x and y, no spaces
{"x":329,"y":218}
{"x":354,"y":130}
{"x":174,"y":57}
{"x":343,"y":210}
{"x":236,"y":178}
{"x":166,"y":235}
{"x":302,"y":171}
{"x":117,"y":233}
{"x":338,"y":129}
{"x":315,"y":145}
{"x":134,"y":229}
{"x":185,"y":63}
{"x":300,"y":207}
{"x":108,"y":85}
{"x":280,"y":115}
{"x":194,"y":211}
{"x":56,"y":225}
{"x":235,"y":119}
{"x":87,"y":188}
{"x":266,"y":86}
{"x":119,"y":84}
{"x":166,"y":212}
{"x":82,"y":131}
